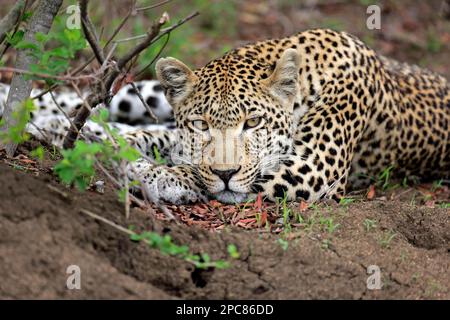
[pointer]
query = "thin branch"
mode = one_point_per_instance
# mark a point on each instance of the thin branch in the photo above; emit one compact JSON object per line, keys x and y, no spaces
{"x":154,"y":30}
{"x":153,"y":6}
{"x":155,"y":58}
{"x":89,"y":32}
{"x":48,"y":76}
{"x":108,"y":222}
{"x":61,"y":109}
{"x":147,"y":107}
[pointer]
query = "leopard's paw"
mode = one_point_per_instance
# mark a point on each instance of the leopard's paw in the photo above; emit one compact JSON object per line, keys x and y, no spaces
{"x":161,"y":183}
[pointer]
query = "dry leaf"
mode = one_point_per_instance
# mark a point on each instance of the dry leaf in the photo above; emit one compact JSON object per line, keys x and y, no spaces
{"x":371,"y":193}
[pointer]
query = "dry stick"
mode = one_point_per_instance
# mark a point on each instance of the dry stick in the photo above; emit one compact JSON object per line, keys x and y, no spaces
{"x":147,"y":107}
{"x":155,"y":58}
{"x":89,"y":32}
{"x":44,"y":135}
{"x":139,"y":202}
{"x":113,"y":224}
{"x":20,"y":89}
{"x":126,"y":187}
{"x":154,"y":31}
{"x":109,"y":222}
{"x":153,"y":5}
{"x":47,"y":76}
{"x":61,"y":109}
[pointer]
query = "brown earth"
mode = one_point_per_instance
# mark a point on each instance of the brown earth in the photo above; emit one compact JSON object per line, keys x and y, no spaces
{"x":42,"y":232}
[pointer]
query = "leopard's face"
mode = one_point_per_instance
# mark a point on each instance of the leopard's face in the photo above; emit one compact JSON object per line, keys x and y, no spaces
{"x":233,"y":129}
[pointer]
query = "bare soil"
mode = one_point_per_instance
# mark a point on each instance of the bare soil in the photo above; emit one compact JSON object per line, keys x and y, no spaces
{"x":43,"y":231}
{"x":405,"y":232}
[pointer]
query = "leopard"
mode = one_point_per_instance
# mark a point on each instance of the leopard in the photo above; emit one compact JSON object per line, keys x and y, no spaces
{"x":304,"y":118}
{"x":51,"y":116}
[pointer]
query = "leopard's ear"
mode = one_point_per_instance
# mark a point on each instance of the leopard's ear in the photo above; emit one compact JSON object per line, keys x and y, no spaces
{"x":283,"y":82}
{"x":176,"y":78}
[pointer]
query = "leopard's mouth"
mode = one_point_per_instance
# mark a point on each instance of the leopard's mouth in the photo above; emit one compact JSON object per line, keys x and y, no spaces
{"x":231,"y":197}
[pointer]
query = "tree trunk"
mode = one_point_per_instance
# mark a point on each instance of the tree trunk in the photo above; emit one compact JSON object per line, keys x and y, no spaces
{"x":20,"y":90}
{"x":10,"y":20}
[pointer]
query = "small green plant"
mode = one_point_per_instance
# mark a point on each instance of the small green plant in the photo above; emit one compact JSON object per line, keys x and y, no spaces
{"x":286,"y":212}
{"x":326,"y":243}
{"x":434,"y":44}
{"x":166,"y":246}
{"x":346,"y":201}
{"x":369,"y":224}
{"x":77,"y":165}
{"x":38,"y":153}
{"x":233,"y":252}
{"x":21,"y":116}
{"x":329,"y":224}
{"x":437,"y":185}
{"x":158,"y":158}
{"x":283,"y":243}
{"x":384,"y":179}
{"x":386,"y":239}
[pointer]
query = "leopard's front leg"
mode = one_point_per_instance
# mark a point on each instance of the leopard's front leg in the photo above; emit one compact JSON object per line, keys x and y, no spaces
{"x":177,"y":184}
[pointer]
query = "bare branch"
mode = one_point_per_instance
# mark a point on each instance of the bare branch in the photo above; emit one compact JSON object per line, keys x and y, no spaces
{"x":155,"y":58}
{"x":89,"y":32}
{"x":147,"y":107}
{"x":154,"y":30}
{"x":48,"y":76}
{"x":153,"y":5}
{"x":62,"y":110}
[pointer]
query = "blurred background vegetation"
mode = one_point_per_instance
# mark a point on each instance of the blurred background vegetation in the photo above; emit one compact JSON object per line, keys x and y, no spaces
{"x":411,"y":30}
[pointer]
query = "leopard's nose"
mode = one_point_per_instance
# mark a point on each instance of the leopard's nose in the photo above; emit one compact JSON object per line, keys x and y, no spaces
{"x":225,"y":175}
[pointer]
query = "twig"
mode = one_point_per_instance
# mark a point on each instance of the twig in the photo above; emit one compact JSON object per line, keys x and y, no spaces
{"x":108,"y":222}
{"x":145,"y":192}
{"x":60,"y":192}
{"x":61,"y":109}
{"x":154,"y":30}
{"x":44,"y":135}
{"x":147,"y":107}
{"x":89,"y":32}
{"x":155,"y":58}
{"x":127,"y":193}
{"x":153,"y":6}
{"x":48,"y":76}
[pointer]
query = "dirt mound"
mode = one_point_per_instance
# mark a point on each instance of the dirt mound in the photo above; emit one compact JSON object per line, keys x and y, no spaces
{"x":42,"y":232}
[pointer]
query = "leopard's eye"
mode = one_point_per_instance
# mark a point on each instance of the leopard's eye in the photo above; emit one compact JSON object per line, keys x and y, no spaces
{"x":252,"y":122}
{"x":201,"y":125}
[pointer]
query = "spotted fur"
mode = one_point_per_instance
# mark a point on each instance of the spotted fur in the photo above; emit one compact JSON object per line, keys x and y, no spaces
{"x":49,"y":120}
{"x":335,"y":112}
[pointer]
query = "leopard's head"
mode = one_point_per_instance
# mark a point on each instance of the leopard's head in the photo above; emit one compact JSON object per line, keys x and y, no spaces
{"x":235,"y":116}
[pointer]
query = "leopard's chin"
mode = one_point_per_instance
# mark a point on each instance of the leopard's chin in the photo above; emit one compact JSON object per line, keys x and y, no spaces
{"x":231,"y":197}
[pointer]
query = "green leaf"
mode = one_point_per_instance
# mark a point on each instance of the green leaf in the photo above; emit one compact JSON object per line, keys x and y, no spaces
{"x":233,"y":252}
